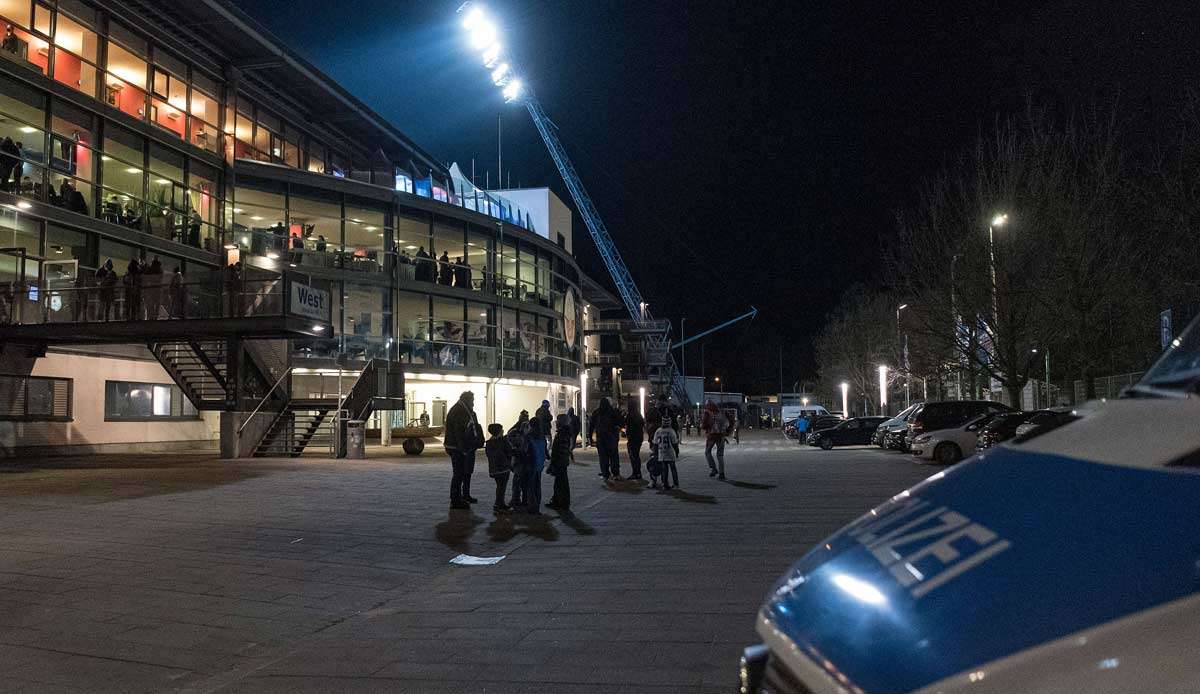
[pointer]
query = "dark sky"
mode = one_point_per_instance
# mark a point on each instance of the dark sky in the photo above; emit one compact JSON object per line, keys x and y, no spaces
{"x":743,"y":153}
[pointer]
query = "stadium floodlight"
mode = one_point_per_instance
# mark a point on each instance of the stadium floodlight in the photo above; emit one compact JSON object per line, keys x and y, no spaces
{"x":483,"y":35}
{"x":473,"y":17}
{"x":500,"y":75}
{"x":512,"y":91}
{"x":491,"y":55}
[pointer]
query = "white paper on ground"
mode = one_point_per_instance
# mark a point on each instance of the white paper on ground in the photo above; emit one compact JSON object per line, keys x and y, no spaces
{"x":468,"y":560}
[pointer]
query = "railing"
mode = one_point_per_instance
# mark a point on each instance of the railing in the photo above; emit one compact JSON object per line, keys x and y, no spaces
{"x":95,"y":297}
{"x":264,"y":400}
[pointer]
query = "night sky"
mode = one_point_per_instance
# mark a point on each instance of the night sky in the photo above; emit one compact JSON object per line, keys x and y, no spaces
{"x":743,"y":153}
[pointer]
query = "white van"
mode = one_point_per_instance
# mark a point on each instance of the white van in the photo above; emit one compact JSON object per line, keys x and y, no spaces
{"x":789,"y":413}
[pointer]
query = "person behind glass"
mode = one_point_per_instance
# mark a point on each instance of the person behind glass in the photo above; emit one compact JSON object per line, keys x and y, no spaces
{"x":19,"y":169}
{"x":82,"y":298}
{"x":466,"y":274}
{"x":560,"y":461}
{"x":462,"y":438}
{"x":536,"y":455}
{"x":133,"y":290}
{"x":666,"y":443}
{"x":518,"y":439}
{"x":178,"y":295}
{"x":233,"y":289}
{"x":9,"y":159}
{"x":11,"y":44}
{"x":152,"y":287}
{"x":106,"y":280}
{"x":500,"y":464}
{"x":445,"y":272}
{"x":423,"y":266}
{"x":635,"y":433}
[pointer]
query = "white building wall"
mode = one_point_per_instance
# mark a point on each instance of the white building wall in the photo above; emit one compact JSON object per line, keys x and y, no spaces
{"x":549,"y":215}
{"x":88,"y":432}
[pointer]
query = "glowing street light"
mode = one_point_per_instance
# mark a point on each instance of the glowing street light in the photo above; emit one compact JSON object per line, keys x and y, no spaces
{"x":642,"y":400}
{"x":845,"y":399}
{"x":883,"y":373}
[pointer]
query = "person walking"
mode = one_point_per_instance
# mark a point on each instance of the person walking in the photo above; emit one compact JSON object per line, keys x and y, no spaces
{"x":560,"y":461}
{"x":537,"y":463}
{"x":635,"y":433}
{"x":714,"y":424}
{"x":463,"y":437}
{"x":545,"y":419}
{"x":666,"y":443}
{"x":500,"y":464}
{"x":605,"y":428}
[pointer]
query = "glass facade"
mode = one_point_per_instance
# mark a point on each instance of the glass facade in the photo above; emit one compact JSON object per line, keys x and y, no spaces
{"x":142,"y":147}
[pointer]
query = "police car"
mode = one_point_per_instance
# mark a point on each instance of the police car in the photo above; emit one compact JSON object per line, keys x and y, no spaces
{"x":1062,"y":562}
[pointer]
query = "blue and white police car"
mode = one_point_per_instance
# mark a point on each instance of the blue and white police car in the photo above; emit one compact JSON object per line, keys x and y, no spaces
{"x":1062,"y":562}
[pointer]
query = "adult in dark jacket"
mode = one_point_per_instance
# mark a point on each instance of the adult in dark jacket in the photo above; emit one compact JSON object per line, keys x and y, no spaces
{"x":560,"y":460}
{"x":545,"y":419}
{"x":424,"y":266}
{"x":576,"y":425}
{"x":446,"y":274}
{"x":635,"y":433}
{"x":463,"y":437}
{"x":605,"y":427}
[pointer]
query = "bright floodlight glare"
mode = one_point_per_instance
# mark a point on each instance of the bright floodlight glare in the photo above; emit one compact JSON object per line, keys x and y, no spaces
{"x":500,"y":75}
{"x":483,"y":35}
{"x":512,"y":91}
{"x":491,"y":55}
{"x":999,"y":220}
{"x":473,"y":18}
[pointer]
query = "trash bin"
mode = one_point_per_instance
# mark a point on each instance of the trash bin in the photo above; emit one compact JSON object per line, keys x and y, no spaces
{"x":356,"y":434}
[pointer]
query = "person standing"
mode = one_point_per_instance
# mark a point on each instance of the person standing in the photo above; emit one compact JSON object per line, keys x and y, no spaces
{"x":518,"y":440}
{"x":106,"y":278}
{"x":560,"y":461}
{"x":576,"y":427}
{"x":537,"y":463}
{"x":8,"y":161}
{"x":635,"y":433}
{"x":463,"y":438}
{"x":605,"y":427}
{"x":715,"y":427}
{"x":445,"y":277}
{"x":178,"y":295}
{"x":499,"y":455}
{"x":133,"y":290}
{"x":666,"y":443}
{"x":152,"y":287}
{"x":545,"y":419}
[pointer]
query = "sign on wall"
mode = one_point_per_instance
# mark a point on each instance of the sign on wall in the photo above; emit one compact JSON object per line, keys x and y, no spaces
{"x":309,"y":302}
{"x":569,"y":323}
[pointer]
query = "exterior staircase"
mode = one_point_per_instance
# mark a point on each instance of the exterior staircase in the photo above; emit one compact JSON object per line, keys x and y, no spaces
{"x":301,"y":424}
{"x":198,"y":368}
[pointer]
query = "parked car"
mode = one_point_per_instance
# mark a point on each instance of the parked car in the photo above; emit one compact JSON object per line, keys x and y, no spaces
{"x":899,"y":423}
{"x":852,"y":432}
{"x":1061,"y":562}
{"x":948,"y":446}
{"x":1042,"y":421}
{"x":818,"y":424}
{"x":1000,"y":428}
{"x":945,"y":414}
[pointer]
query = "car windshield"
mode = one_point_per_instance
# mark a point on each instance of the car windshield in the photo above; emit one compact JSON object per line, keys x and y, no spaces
{"x":1178,"y":370}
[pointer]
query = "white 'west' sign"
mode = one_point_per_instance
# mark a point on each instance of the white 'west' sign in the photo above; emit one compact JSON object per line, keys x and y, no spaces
{"x":309,"y":302}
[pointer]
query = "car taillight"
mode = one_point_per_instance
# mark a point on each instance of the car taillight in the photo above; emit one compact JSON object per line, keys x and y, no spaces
{"x":916,"y":428}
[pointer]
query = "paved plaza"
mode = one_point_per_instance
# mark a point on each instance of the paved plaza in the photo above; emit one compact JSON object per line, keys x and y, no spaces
{"x":185,"y":573}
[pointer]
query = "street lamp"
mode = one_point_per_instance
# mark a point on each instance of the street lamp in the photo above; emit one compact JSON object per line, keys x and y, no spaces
{"x":642,"y":400}
{"x":997,"y":221}
{"x":845,"y":400}
{"x":804,"y":402}
{"x":883,"y":373}
{"x":902,"y":354}
{"x":722,"y":387}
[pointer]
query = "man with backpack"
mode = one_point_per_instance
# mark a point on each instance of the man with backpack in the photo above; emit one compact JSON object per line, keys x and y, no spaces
{"x":715,"y":426}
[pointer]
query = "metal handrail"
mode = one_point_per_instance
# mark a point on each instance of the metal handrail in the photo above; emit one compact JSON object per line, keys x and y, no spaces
{"x":265,"y":398}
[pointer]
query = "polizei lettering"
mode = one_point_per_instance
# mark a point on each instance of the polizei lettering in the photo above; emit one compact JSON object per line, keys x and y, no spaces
{"x":924,"y":546}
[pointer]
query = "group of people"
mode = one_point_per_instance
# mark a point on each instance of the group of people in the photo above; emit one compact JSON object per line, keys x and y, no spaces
{"x":149,"y":293}
{"x":444,"y":271}
{"x":545,"y":444}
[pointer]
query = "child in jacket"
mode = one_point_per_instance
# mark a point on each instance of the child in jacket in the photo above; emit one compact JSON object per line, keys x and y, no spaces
{"x":499,"y":455}
{"x":560,"y":460}
{"x":666,"y":442}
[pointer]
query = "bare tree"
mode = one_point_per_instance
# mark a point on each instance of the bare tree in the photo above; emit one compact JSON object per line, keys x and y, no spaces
{"x":858,"y":337}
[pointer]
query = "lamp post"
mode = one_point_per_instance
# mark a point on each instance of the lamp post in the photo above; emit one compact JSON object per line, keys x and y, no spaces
{"x":722,"y":387}
{"x":642,"y":400}
{"x":883,"y":374}
{"x":997,"y":221}
{"x":845,"y":400}
{"x":902,"y":354}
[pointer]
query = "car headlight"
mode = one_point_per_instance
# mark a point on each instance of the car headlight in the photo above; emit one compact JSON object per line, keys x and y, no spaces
{"x":923,"y":438}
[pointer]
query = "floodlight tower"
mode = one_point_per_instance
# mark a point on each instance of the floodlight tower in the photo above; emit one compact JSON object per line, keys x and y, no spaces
{"x":485,"y":39}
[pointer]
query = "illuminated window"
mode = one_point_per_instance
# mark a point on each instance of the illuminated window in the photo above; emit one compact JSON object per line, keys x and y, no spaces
{"x":139,"y":402}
